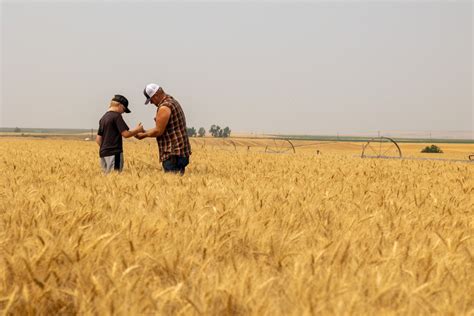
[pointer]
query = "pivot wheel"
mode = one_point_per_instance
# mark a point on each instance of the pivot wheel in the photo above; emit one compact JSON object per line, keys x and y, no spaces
{"x":381,"y":147}
{"x":280,"y":146}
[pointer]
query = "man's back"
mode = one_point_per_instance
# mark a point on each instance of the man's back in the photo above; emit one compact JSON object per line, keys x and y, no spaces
{"x":111,"y":126}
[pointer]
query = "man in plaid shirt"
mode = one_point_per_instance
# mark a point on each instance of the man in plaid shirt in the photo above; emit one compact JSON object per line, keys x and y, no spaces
{"x":170,"y":130}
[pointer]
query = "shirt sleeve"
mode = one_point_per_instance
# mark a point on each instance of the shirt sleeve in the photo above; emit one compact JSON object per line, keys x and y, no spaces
{"x":100,"y":131}
{"x":121,"y":125}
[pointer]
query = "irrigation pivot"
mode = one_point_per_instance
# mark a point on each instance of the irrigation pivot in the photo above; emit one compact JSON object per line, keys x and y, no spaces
{"x":384,"y":147}
{"x":280,"y":146}
{"x":381,"y":147}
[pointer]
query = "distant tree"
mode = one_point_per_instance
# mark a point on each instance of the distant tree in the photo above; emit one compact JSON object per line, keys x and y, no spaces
{"x":191,"y":131}
{"x":212,"y":130}
{"x":226,"y":132}
{"x":202,"y":132}
{"x":432,"y":149}
{"x":215,"y":130}
{"x":17,"y":130}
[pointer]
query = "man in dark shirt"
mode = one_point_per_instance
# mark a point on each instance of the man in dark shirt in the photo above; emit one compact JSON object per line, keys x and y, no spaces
{"x":112,"y":128}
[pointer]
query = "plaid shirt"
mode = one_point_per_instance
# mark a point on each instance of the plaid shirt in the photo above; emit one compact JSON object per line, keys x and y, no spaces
{"x":174,"y":140}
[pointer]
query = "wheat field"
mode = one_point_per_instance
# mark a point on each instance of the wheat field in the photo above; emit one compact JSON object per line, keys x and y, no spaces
{"x":241,"y":233}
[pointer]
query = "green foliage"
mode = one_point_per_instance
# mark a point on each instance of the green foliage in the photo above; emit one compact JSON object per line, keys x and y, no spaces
{"x":226,"y":132}
{"x":202,"y":132}
{"x":217,"y":131}
{"x":191,"y":131}
{"x":432,"y":149}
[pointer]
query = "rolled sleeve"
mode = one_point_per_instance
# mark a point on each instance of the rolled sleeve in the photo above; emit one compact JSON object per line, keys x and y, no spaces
{"x":121,"y":125}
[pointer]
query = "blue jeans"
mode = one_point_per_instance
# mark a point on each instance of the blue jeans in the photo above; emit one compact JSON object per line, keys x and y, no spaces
{"x":175,"y":164}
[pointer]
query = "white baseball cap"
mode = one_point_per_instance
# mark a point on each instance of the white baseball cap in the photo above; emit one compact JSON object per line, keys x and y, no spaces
{"x":150,"y":91}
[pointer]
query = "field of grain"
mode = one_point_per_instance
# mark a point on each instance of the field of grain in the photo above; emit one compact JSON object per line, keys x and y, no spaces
{"x":241,"y":233}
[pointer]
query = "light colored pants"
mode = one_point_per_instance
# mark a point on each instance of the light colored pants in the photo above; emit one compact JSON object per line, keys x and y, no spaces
{"x":111,"y":163}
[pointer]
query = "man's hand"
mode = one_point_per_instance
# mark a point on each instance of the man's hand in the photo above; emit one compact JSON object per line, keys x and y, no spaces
{"x":132,"y":133}
{"x":140,"y":128}
{"x":141,"y":135}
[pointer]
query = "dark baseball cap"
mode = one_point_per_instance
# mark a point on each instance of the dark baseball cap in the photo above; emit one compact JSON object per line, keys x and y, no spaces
{"x":122,"y":100}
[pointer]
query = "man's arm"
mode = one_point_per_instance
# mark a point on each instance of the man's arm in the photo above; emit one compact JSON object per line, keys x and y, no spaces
{"x":100,"y":133}
{"x":162,"y":117}
{"x":133,"y":132}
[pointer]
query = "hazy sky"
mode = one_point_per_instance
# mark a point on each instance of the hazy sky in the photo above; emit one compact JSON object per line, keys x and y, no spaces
{"x":288,"y":67}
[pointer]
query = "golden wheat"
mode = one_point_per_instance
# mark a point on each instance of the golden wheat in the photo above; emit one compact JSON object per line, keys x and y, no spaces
{"x":241,"y":233}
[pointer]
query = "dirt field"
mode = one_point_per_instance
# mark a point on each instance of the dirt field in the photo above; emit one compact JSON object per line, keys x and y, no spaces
{"x":242,"y":232}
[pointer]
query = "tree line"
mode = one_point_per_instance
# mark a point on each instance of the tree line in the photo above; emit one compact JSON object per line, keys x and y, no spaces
{"x":214,"y":130}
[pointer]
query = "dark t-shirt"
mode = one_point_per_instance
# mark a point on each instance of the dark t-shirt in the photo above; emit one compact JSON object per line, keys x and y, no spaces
{"x":111,"y":126}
